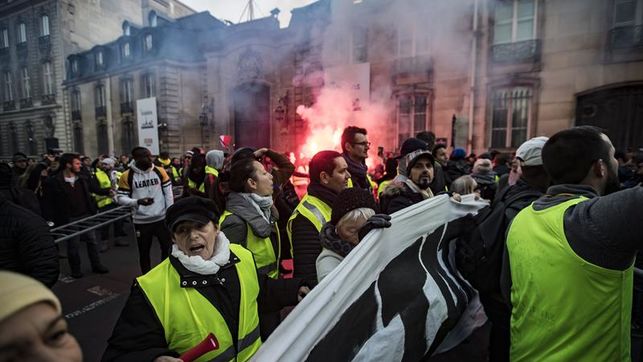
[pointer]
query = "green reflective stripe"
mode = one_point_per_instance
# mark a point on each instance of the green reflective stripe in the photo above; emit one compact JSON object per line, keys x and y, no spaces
{"x":316,"y":212}
{"x":267,"y":268}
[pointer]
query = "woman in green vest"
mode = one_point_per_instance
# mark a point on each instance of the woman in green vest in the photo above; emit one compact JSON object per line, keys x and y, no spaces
{"x":207,"y":285}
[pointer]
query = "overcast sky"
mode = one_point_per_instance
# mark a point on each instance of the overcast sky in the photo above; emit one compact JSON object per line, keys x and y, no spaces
{"x":232,"y":9}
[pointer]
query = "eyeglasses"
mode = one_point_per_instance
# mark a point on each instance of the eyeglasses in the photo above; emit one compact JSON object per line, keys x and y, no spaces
{"x":365,"y":144}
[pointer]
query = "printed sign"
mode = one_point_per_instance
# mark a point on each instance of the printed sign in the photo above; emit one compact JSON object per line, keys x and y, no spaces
{"x":148,"y":135}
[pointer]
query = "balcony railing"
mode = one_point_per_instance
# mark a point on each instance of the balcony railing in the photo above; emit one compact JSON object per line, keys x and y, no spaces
{"x":626,"y":37}
{"x":48,"y":99}
{"x":9,"y":105}
{"x":26,"y":102}
{"x":527,"y":51}
{"x":127,"y":107}
{"x":44,"y":44}
{"x":412,"y":65}
{"x":101,"y":111}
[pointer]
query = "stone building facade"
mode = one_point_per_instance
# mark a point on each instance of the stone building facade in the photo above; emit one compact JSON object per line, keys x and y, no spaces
{"x":36,"y":36}
{"x":480,"y":74}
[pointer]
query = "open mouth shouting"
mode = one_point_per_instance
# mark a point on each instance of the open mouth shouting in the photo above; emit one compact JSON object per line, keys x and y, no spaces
{"x":197,"y":249}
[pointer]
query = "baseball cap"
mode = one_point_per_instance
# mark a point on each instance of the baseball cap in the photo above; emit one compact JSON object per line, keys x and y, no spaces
{"x":193,"y":208}
{"x":530,"y":152}
{"x":108,"y":161}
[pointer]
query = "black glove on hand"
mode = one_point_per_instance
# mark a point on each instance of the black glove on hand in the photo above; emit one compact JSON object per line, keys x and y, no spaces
{"x":376,"y":221}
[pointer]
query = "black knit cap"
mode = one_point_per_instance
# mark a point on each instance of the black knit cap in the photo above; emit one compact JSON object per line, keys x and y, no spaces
{"x":351,"y":199}
{"x":193,"y":208}
{"x":413,"y":144}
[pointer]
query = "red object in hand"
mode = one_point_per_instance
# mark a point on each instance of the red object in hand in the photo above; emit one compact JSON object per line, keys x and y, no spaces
{"x":210,"y":343}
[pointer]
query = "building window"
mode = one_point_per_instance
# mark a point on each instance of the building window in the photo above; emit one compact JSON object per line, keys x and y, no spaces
{"x":127,"y":29}
{"x":99,"y":59}
{"x":511,"y":117}
{"x":411,"y":41}
{"x":411,"y":115}
{"x":626,"y":24}
{"x":126,"y":90}
{"x":360,"y":45}
{"x":148,"y":85}
{"x":78,"y":137}
{"x":4,"y":38}
{"x":148,"y":42}
{"x":22,"y":33}
{"x":44,"y":25}
{"x":128,"y":134}
{"x":153,"y":19}
{"x":515,"y":21}
{"x":75,"y":100}
{"x":126,"y":50}
{"x":74,"y":66}
{"x":13,"y":137}
{"x":100,"y":96}
{"x":47,"y":79}
{"x":26,"y":83}
{"x":8,"y":87}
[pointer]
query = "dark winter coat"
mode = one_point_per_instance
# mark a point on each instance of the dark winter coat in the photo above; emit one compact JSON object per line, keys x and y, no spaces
{"x":56,"y":200}
{"x":139,"y":335}
{"x":398,"y":196}
{"x":26,"y":244}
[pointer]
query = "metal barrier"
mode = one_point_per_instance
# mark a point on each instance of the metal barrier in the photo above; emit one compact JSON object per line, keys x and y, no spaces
{"x":93,"y":222}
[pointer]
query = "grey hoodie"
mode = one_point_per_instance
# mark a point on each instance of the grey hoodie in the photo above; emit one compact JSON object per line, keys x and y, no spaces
{"x":214,"y":159}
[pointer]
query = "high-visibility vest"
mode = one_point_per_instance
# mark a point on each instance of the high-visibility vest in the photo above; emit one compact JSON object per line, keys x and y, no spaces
{"x":104,"y":182}
{"x":313,"y":209}
{"x":193,"y":185}
{"x":564,"y":307}
{"x":211,"y":171}
{"x":175,"y":173}
{"x":373,"y":184}
{"x":382,"y":186}
{"x":265,"y":256}
{"x":188,"y":317}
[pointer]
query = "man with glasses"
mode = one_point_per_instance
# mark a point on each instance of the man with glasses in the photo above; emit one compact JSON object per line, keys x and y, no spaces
{"x":355,"y":148}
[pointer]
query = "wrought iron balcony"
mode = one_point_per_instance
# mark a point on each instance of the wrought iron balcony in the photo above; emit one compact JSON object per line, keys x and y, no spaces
{"x":44,"y":44}
{"x":26,"y":102}
{"x":626,"y":37}
{"x":101,"y":111}
{"x":127,"y":107}
{"x":75,"y":115}
{"x":9,"y":105}
{"x":48,"y":99}
{"x":527,"y":51}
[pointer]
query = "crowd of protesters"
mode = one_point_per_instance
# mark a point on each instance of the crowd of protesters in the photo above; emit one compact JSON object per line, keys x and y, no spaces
{"x":224,"y":237}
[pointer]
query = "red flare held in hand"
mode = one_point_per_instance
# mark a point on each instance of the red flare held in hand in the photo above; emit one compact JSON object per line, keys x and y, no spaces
{"x":210,"y":343}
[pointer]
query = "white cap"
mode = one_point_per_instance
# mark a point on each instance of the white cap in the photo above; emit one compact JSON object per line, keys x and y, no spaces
{"x":530,"y":152}
{"x":108,"y":161}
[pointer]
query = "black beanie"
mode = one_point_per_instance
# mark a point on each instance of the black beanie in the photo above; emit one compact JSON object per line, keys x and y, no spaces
{"x":413,"y":144}
{"x":349,"y":200}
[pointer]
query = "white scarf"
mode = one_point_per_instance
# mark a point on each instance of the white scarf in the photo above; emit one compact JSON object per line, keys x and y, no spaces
{"x":263,"y":204}
{"x":196,"y":264}
{"x":426,"y":194}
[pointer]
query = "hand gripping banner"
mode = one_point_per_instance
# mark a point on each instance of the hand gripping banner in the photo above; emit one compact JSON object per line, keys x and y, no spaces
{"x":396,"y":297}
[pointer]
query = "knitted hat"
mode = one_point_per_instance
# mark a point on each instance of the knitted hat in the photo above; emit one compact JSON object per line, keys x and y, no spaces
{"x":482,"y":165}
{"x":20,"y":291}
{"x":413,"y":144}
{"x":351,"y":199}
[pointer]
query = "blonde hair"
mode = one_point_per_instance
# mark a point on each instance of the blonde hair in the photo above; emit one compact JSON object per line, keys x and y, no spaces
{"x":354,"y":215}
{"x":464,"y":185}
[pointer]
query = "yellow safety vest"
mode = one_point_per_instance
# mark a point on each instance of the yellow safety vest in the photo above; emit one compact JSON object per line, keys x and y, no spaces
{"x":104,"y":182}
{"x":188,"y":317}
{"x":211,"y":171}
{"x":374,"y":188}
{"x":382,"y":186}
{"x":564,"y":307}
{"x":262,"y":249}
{"x":175,"y":173}
{"x":313,"y":209}
{"x":192,"y":185}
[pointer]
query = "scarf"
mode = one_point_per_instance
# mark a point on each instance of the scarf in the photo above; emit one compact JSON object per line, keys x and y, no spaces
{"x":331,"y":241}
{"x":407,"y":181}
{"x":322,"y":192}
{"x":196,"y":264}
{"x":358,"y":172}
{"x":263,"y":204}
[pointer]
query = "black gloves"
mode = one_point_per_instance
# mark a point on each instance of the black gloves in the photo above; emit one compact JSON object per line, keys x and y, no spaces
{"x":376,"y":221}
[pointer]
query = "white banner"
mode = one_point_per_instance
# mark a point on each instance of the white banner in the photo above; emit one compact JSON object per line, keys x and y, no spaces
{"x":397,"y":296}
{"x":148,"y":134}
{"x":353,"y":77}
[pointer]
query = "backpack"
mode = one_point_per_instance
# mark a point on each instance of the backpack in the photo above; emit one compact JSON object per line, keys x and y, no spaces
{"x":479,"y":252}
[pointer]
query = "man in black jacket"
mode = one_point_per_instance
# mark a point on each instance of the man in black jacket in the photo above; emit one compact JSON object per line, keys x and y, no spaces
{"x":355,"y":146}
{"x":26,"y":245}
{"x":67,"y":199}
{"x":328,"y":177}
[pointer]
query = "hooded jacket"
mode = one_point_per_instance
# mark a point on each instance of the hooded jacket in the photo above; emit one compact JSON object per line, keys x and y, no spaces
{"x":136,"y":184}
{"x":243,"y":215}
